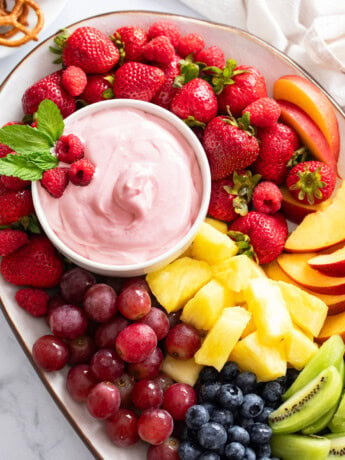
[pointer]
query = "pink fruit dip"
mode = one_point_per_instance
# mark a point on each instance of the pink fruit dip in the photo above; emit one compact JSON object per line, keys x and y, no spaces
{"x":145,"y":194}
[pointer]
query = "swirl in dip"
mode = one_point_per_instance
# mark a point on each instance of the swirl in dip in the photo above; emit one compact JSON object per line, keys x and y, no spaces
{"x":144,"y":196}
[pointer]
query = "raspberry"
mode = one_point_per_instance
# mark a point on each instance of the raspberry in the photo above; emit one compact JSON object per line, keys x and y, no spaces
{"x":166,"y":29}
{"x":267,"y":197}
{"x":34,"y":301}
{"x":74,"y":80}
{"x":81,"y":172}
{"x":69,"y":148}
{"x":264,"y":112}
{"x":191,"y":43}
{"x":212,"y":56}
{"x":11,"y":240}
{"x":4,"y":150}
{"x":160,"y":50}
{"x":55,"y":181}
{"x":14,"y":183}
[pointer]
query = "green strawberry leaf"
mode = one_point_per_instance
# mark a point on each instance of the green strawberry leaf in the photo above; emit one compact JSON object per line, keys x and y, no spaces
{"x":188,"y":71}
{"x":23,"y":139}
{"x":244,"y":245}
{"x":49,"y":120}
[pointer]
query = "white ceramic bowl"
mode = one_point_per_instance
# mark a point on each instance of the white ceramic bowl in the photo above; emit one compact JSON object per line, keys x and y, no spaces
{"x":168,"y":256}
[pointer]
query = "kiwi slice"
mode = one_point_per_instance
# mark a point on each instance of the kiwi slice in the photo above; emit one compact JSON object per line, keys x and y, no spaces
{"x":337,"y":447}
{"x":308,"y":404}
{"x":330,"y":354}
{"x":298,"y":447}
{"x":337,"y":424}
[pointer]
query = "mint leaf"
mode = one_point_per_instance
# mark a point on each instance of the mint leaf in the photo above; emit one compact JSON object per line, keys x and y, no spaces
{"x":20,"y":166}
{"x":49,"y":120}
{"x":43,"y":160}
{"x":23,"y":139}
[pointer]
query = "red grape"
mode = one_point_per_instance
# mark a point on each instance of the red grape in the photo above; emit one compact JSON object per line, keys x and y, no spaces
{"x":178,"y":399}
{"x":103,"y":400}
{"x":137,"y":281}
{"x":149,"y":368}
{"x":68,"y":322}
{"x":122,"y":428}
{"x":106,"y":333}
{"x":155,"y":426}
{"x":106,"y":365}
{"x":100,"y":302}
{"x":183,"y":341}
{"x":136,"y":342}
{"x":50,"y":353}
{"x":164,"y":381}
{"x":168,"y":450}
{"x":134,"y":302}
{"x":74,"y":283}
{"x":174,"y":318}
{"x":80,"y":381}
{"x":81,"y":349}
{"x":159,"y":322}
{"x":146,"y":394}
{"x":125,"y":385}
{"x":54,"y":302}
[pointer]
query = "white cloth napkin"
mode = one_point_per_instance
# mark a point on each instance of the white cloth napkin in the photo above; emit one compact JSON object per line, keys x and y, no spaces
{"x":312,"y":32}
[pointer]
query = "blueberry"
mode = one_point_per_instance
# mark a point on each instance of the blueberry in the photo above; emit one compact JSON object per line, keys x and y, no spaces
{"x":209,"y":456}
{"x":252,"y":405}
{"x":208,"y":391}
{"x":238,"y":434}
{"x":263,"y":450}
{"x":209,"y":407}
{"x":212,"y":436}
{"x":234,"y":451}
{"x":263,"y":417}
{"x":250,"y":454}
{"x":247,"y":382}
{"x":246,"y":423}
{"x":229,"y":372}
{"x":272,"y":392}
{"x":222,"y":416}
{"x":189,"y":435}
{"x":260,"y":433}
{"x":208,"y":374}
{"x":188,"y":451}
{"x":230,"y":396}
{"x":196,"y":416}
{"x":291,"y":376}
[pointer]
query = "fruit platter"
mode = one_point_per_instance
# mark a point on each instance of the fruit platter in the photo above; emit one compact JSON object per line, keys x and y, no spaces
{"x":172,"y":240}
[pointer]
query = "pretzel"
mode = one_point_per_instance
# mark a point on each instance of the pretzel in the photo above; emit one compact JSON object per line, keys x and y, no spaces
{"x":17,"y":19}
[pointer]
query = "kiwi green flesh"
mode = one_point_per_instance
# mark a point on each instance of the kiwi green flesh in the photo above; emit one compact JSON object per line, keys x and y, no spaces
{"x":337,"y":424}
{"x":330,"y":353}
{"x":298,"y":447}
{"x":309,"y":404}
{"x":337,"y":447}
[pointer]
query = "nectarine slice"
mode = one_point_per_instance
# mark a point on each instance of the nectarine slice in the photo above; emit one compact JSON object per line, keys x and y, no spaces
{"x":295,"y":210}
{"x":333,"y":325}
{"x":310,"y":98}
{"x":296,"y":267}
{"x":335,"y":303}
{"x":330,"y":264}
{"x":321,"y":229}
{"x":308,"y":131}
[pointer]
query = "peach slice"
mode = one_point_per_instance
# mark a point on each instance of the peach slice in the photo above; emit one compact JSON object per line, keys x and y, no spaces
{"x":295,"y":210}
{"x":308,"y":131}
{"x":333,"y":325}
{"x":330,"y":264}
{"x":296,"y":266}
{"x":321,"y":229}
{"x":307,"y":96}
{"x":335,"y":303}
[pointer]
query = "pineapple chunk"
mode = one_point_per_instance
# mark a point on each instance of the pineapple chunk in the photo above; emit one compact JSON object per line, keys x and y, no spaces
{"x":250,"y":328}
{"x":299,"y":349}
{"x":267,"y":362}
{"x":218,"y":224}
{"x":307,"y":311}
{"x":235,"y":273}
{"x":203,"y":310}
{"x":212,"y":246}
{"x":182,"y":371}
{"x":187,"y":252}
{"x":269,"y":311}
{"x":222,"y":338}
{"x":176,"y":283}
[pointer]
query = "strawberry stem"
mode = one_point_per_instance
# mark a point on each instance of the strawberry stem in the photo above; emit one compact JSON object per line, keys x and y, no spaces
{"x":309,"y":185}
{"x":244,"y":245}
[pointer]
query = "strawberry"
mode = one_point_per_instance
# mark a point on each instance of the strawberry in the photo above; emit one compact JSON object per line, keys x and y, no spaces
{"x":91,"y":50}
{"x":190,"y":44}
{"x":11,"y":240}
{"x":49,"y":87}
{"x":166,"y":29}
{"x":311,"y":182}
{"x":74,"y":80}
{"x":14,"y":183}
{"x":247,"y":87}
{"x":228,"y":147}
{"x":130,"y":41}
{"x":212,"y":56}
{"x":267,"y":197}
{"x":195,"y":101}
{"x":159,"y":50}
{"x":36,"y":264}
{"x":166,"y":93}
{"x":69,"y":148}
{"x":134,"y":80}
{"x":264,"y":112}
{"x":267,"y":234}
{"x":98,"y":88}
{"x":55,"y":181}
{"x":34,"y":301}
{"x":14,"y":205}
{"x":277,"y":145}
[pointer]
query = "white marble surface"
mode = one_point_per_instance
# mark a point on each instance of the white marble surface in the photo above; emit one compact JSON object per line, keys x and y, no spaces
{"x":31,"y":425}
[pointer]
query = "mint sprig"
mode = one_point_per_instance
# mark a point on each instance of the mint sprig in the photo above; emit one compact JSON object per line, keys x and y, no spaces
{"x":49,"y":120}
{"x":23,"y":139}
